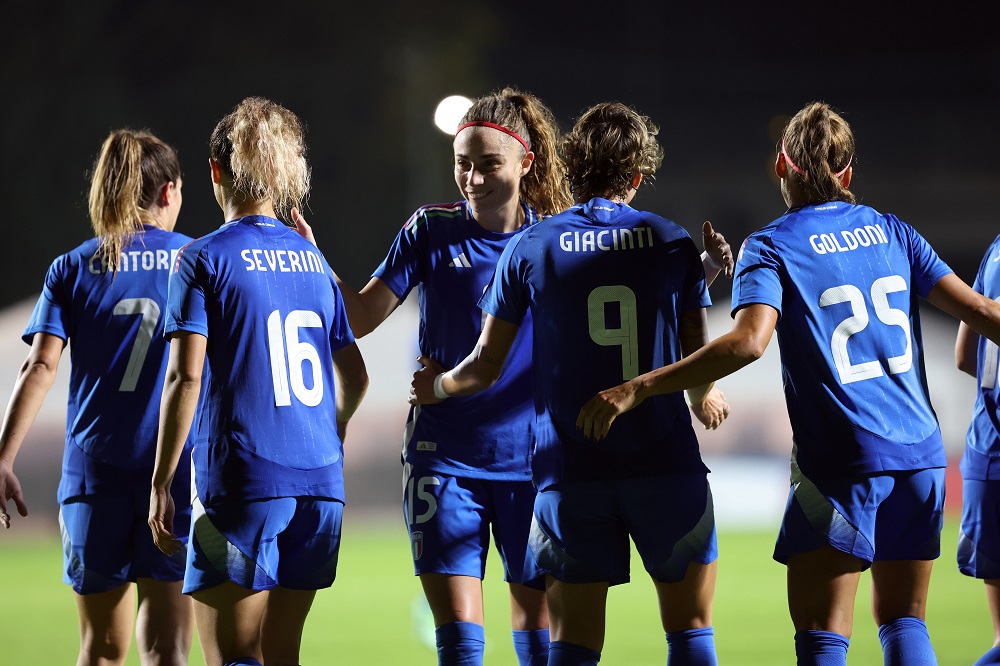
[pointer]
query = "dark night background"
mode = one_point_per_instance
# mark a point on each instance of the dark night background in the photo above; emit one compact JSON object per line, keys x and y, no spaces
{"x":919,"y":88}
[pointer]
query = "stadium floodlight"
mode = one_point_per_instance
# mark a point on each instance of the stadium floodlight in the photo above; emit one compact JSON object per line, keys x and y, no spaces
{"x":449,"y":112}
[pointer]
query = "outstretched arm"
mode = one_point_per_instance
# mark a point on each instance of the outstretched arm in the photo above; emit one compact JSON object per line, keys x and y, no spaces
{"x":961,"y":301}
{"x":752,"y":331}
{"x":479,"y":371}
{"x":366,"y":309}
{"x":34,"y":380}
{"x":181,"y":388}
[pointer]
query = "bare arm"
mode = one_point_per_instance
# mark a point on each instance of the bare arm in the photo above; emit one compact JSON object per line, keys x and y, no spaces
{"x":966,"y":347}
{"x":352,"y":383}
{"x":693,"y":333}
{"x":368,"y":308}
{"x":750,"y":336}
{"x":181,"y":388}
{"x":963,"y":302}
{"x":34,"y":380}
{"x":479,"y":371}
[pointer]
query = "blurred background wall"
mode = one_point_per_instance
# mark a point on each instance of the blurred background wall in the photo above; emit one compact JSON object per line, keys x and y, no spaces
{"x":921,"y":90}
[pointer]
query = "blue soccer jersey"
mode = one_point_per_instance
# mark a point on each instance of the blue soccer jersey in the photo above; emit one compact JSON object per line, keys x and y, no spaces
{"x":845,"y":280}
{"x":606,"y":286}
{"x":981,"y":461}
{"x":450,"y":258}
{"x":267,"y":302}
{"x":114,"y":325}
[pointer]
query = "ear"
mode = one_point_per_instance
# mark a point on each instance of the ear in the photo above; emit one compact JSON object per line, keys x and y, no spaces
{"x":636,"y":181}
{"x":526,"y":162}
{"x":165,"y":194}
{"x":780,"y":166}
{"x":845,"y":180}
{"x":216,"y":170}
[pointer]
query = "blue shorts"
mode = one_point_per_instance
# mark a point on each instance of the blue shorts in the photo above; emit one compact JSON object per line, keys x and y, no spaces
{"x":107,"y":542}
{"x":979,"y":536}
{"x":292,"y":542}
{"x":887,"y":516}
{"x":450,"y":520}
{"x":581,"y":530}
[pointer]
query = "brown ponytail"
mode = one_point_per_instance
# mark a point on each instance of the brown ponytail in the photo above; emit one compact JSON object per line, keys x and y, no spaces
{"x":819,"y":142}
{"x":126,"y":180}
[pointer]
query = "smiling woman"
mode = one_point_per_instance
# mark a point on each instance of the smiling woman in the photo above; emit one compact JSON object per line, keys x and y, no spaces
{"x":466,"y":469}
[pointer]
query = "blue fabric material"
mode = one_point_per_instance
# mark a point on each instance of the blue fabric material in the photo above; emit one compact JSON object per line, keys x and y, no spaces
{"x":905,"y":642}
{"x":531,"y":647}
{"x":990,"y":658}
{"x":460,"y":644}
{"x":449,"y":258}
{"x":845,"y":281}
{"x":821,"y":648}
{"x":610,"y":284}
{"x":693,"y":647}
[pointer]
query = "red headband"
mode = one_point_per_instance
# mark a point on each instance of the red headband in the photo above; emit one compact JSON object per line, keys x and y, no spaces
{"x":483,"y":123}
{"x":799,"y":171}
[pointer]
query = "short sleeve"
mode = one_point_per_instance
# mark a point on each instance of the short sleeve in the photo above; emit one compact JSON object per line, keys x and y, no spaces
{"x":507,"y":296}
{"x":926,"y":266}
{"x":403,"y":267}
{"x":758,"y":277}
{"x":186,"y":295}
{"x":53,"y":309}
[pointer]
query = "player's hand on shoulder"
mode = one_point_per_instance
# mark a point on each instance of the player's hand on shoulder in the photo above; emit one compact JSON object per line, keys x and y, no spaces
{"x":600,"y":412}
{"x":718,"y":249}
{"x":302,"y":226}
{"x":10,"y":489}
{"x":422,"y":386}
{"x":713,"y":410}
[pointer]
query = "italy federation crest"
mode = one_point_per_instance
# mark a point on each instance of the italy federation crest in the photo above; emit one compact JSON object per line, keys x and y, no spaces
{"x":417,"y":544}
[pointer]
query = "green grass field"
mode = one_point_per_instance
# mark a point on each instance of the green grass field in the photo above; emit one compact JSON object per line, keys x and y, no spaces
{"x":374,"y":613}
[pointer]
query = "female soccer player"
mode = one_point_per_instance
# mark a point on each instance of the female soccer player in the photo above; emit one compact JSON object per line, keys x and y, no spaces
{"x":612,"y":292}
{"x":106,"y":297}
{"x":868,"y":461}
{"x":466,"y":463}
{"x":979,"y":540}
{"x":261,"y":302}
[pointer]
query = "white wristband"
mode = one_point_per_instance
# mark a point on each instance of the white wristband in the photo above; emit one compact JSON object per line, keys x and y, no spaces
{"x":709,"y":262}
{"x":439,"y":388}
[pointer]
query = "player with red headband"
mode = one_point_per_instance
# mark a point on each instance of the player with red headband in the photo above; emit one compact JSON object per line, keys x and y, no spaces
{"x":466,"y":469}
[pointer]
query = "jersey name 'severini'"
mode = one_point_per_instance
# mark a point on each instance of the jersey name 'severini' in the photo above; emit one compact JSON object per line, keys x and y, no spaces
{"x":135,"y":260}
{"x":606,"y":240}
{"x":282,"y":261}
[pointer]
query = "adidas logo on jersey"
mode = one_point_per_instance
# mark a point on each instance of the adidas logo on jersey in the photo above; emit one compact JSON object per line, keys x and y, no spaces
{"x":426,"y":446}
{"x":461,"y":261}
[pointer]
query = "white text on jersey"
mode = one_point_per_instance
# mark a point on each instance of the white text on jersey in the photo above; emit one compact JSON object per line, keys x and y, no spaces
{"x":606,"y":240}
{"x":852,"y":240}
{"x":283,"y":261}
{"x":138,"y":260}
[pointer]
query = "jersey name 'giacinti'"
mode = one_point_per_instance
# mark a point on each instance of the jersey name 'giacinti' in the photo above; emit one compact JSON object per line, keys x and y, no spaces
{"x":847,"y":240}
{"x":136,"y":260}
{"x":283,"y":261}
{"x":606,"y":240}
